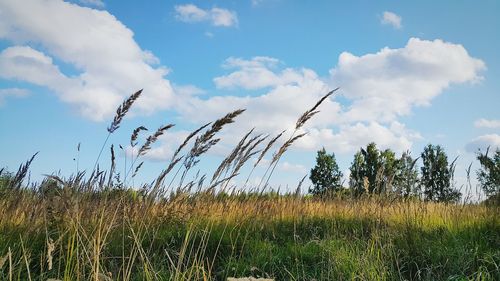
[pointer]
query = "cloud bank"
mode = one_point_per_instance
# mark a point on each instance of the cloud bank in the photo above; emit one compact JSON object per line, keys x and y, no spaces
{"x":107,"y":64}
{"x":379,"y":87}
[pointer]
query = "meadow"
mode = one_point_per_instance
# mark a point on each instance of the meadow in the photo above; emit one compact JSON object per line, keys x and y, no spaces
{"x":189,"y":227}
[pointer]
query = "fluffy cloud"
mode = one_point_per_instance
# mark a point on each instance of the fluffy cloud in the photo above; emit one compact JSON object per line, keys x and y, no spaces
{"x":389,"y":83}
{"x":290,"y":92}
{"x":392,"y":19}
{"x":377,"y":90}
{"x":12,"y":93}
{"x":257,"y":73}
{"x":108,"y":65}
{"x":351,"y":137}
{"x":483,"y":142}
{"x":216,"y":16}
{"x":485,"y":123}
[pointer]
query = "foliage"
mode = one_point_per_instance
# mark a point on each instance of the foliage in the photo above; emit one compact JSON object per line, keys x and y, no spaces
{"x":437,"y":175}
{"x":325,"y":176}
{"x":374,"y":171}
{"x":407,"y":177}
{"x":357,"y":175}
{"x":489,"y":173}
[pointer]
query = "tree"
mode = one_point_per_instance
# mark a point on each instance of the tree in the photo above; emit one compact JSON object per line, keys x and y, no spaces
{"x":325,"y":176}
{"x":437,"y":175}
{"x":373,"y":171}
{"x":371,"y":165}
{"x":388,"y":173}
{"x":407,"y":178}
{"x":489,"y":173}
{"x":357,"y":175}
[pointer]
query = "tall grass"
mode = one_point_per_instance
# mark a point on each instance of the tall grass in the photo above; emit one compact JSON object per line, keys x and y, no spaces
{"x":185,"y":228}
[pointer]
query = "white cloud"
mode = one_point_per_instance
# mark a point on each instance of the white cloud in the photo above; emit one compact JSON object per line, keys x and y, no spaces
{"x":350,"y":138}
{"x":392,"y":19}
{"x":190,"y":13}
{"x":216,"y":16}
{"x":483,"y":142}
{"x":292,"y":168}
{"x":12,"y":93}
{"x":388,"y":84}
{"x":95,"y":3}
{"x":485,"y":123}
{"x":108,"y":64}
{"x":291,"y":91}
{"x":254,"y":74}
{"x":379,"y":88}
{"x":188,"y":90}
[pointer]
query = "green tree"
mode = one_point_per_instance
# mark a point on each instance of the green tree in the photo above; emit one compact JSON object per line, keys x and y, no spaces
{"x":388,"y":172}
{"x":489,"y":173}
{"x":372,"y":165}
{"x":437,"y":176}
{"x":325,"y":176}
{"x":373,"y":171}
{"x":357,"y":174}
{"x":407,"y":178}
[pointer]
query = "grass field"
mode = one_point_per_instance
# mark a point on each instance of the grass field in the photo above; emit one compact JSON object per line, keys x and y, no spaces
{"x":95,"y":227}
{"x":66,"y":235}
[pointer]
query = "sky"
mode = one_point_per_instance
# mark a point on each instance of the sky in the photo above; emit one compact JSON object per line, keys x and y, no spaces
{"x":410,"y":73}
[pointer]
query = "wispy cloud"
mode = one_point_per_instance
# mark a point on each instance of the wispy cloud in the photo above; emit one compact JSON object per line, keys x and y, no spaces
{"x":12,"y":93}
{"x":485,"y":123}
{"x":392,"y":19}
{"x":256,"y":2}
{"x":191,"y":13}
{"x":483,"y":142}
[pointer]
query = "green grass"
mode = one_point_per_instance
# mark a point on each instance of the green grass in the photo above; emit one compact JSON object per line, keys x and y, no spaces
{"x":91,"y":228}
{"x":202,"y":237}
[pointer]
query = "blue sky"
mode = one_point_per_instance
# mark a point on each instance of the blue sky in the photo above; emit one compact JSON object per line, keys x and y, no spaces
{"x":410,"y":73}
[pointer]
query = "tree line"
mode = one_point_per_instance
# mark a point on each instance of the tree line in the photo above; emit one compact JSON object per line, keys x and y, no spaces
{"x":375,"y":171}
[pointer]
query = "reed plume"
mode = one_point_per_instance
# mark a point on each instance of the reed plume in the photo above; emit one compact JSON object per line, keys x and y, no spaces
{"x":268,"y":146}
{"x":299,"y":124}
{"x":313,"y":111}
{"x":174,"y":160}
{"x":137,"y":169}
{"x":204,"y":142}
{"x":152,"y":139}
{"x":122,"y":110}
{"x":21,"y":173}
{"x":113,"y":165}
{"x":225,"y":163}
{"x":285,"y":147}
{"x":135,"y":135}
{"x":186,"y":140}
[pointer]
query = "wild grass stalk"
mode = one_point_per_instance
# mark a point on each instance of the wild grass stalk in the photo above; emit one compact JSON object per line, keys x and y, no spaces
{"x":121,"y":111}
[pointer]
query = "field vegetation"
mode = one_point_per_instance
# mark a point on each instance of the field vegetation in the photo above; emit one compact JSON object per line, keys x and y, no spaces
{"x":390,"y":223}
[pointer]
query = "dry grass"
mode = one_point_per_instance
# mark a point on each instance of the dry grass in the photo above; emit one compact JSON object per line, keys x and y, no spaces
{"x":91,"y":228}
